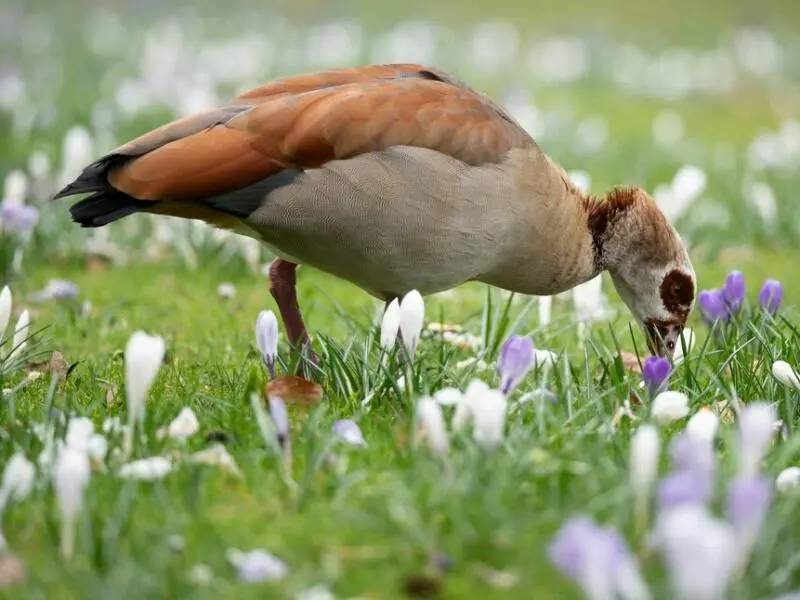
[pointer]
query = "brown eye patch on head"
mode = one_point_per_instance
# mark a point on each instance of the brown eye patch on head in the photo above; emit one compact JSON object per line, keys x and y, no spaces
{"x":677,"y":293}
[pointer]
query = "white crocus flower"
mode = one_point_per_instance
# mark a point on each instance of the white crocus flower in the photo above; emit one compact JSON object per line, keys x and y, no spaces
{"x":669,"y":406}
{"x":146,"y":469}
{"x":257,"y":565}
{"x":788,"y":479}
{"x":644,"y":455}
{"x":786,"y":374}
{"x":449,"y":396}
{"x":18,"y":478}
{"x":20,"y":335}
{"x":430,"y":417}
{"x":267,"y":338}
{"x":216,"y":455}
{"x":689,"y":340}
{"x":699,"y":551}
{"x":182,"y":427}
{"x":756,"y":430}
{"x":5,"y":310}
{"x":489,"y":418}
{"x":390,"y":325}
{"x":70,"y":476}
{"x":144,"y":354}
{"x":412,"y":318}
{"x":464,"y":413}
{"x":703,"y":425}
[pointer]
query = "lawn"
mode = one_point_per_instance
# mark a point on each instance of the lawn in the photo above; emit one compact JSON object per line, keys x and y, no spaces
{"x":391,"y":518}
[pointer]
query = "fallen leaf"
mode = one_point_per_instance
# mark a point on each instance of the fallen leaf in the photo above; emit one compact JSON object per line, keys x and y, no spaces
{"x":96,"y":263}
{"x":421,"y":585}
{"x":630,"y":362}
{"x":294,"y":389}
{"x":12,"y":570}
{"x":58,"y":366}
{"x":502,"y":580}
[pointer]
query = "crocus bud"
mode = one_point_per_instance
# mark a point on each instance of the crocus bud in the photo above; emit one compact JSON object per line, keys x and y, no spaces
{"x":703,"y":425}
{"x":643,"y":460}
{"x":280,"y":417}
{"x":182,"y":427}
{"x":143,"y":357}
{"x":390,"y":325}
{"x":749,"y":499}
{"x":516,"y":359}
{"x":691,"y":480}
{"x":431,"y":419}
{"x":712,"y":306}
{"x":349,"y":432}
{"x":598,"y":560}
{"x":698,"y":550}
{"x":489,"y":417}
{"x":5,"y":310}
{"x":20,"y":335}
{"x":688,"y":340}
{"x":771,"y":296}
{"x":669,"y":406}
{"x":146,"y":469}
{"x":267,"y":338}
{"x":655,"y":372}
{"x":733,"y":291}
{"x":788,"y":479}
{"x":70,"y":477}
{"x":786,"y":374}
{"x":756,"y":430}
{"x":18,"y":478}
{"x":257,"y":565}
{"x":412,"y":317}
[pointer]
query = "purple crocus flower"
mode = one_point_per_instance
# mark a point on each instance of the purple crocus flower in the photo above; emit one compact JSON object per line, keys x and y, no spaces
{"x":712,"y":306}
{"x":682,"y":488}
{"x":689,"y":453}
{"x":655,"y":371}
{"x":517,"y":356}
{"x":733,"y":291}
{"x":18,"y":217}
{"x":756,"y":431}
{"x":771,"y":296}
{"x":598,"y":559}
{"x":749,"y":499}
{"x":691,"y":480}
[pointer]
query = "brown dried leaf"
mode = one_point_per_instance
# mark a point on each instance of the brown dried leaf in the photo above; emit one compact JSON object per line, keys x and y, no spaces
{"x":422,"y":585}
{"x":96,"y":263}
{"x":503,"y":580}
{"x":630,"y":362}
{"x":111,"y":395}
{"x":294,"y":389}
{"x":58,"y":366}
{"x":12,"y":570}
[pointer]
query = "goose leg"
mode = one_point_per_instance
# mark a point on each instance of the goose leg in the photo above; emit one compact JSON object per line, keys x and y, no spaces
{"x":282,"y":286}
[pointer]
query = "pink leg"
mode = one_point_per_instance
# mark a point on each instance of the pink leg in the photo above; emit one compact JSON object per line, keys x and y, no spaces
{"x":282,"y":282}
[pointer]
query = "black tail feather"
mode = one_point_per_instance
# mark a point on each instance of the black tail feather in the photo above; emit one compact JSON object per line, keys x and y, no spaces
{"x":94,"y":178}
{"x":101,"y":208}
{"x":105,"y":204}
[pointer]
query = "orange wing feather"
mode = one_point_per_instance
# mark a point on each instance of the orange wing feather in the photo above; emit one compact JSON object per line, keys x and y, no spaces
{"x":304,"y":122}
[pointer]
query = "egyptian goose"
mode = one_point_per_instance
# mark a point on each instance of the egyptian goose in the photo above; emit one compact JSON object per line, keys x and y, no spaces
{"x":395,"y":177}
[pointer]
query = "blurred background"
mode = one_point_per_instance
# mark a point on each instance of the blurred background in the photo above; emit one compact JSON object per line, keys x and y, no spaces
{"x":697,"y":101}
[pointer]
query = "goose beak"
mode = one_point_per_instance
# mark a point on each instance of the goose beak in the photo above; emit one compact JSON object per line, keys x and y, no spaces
{"x":662,"y":337}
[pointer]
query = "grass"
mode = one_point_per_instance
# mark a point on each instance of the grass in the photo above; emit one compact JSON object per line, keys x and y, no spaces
{"x":370,"y":523}
{"x":377,"y":522}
